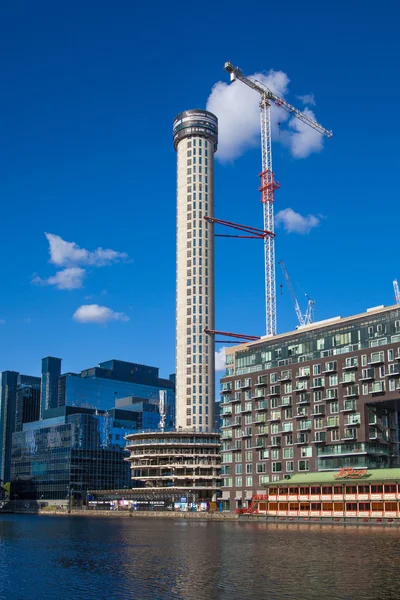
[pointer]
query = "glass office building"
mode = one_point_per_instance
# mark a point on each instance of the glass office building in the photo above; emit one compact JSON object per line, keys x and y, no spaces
{"x":19,"y":403}
{"x":66,"y":455}
{"x":51,"y":371}
{"x":100,"y":387}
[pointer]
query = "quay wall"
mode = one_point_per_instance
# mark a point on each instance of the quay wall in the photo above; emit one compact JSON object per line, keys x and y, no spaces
{"x":217,"y":516}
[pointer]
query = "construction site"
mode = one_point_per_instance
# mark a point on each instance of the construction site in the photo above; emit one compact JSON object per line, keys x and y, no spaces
{"x":321,"y":398}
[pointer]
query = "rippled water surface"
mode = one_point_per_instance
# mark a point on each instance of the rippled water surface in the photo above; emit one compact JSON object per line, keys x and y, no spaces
{"x":111,"y":559}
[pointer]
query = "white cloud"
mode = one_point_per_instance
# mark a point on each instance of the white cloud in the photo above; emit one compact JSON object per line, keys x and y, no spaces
{"x":67,"y":279}
{"x":294,"y":222}
{"x":67,"y":254}
{"x":93,"y":313}
{"x":220,"y":359}
{"x":302,"y":139}
{"x":238,"y":112}
{"x":307,"y":99}
{"x":237,"y":108}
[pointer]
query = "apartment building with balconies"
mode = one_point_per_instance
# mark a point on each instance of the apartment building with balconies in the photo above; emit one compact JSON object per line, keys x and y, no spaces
{"x":321,"y":398}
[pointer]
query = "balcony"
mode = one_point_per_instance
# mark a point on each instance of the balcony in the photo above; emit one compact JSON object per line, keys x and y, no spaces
{"x":330,"y":368}
{"x":246,"y":432}
{"x":303,"y":374}
{"x":348,"y":378}
{"x":353,"y":421}
{"x":302,"y":438}
{"x":318,"y":384}
{"x":301,"y":387}
{"x":331,"y":398}
{"x":261,"y":381}
{"x":285,"y":428}
{"x":236,"y":422}
{"x":275,"y":390}
{"x":321,"y":413}
{"x":394,"y":371}
{"x":260,"y":418}
{"x":351,"y":434}
{"x":320,"y":438}
{"x":226,"y":412}
{"x":246,"y":385}
{"x":259,"y":393}
{"x":262,"y":431}
{"x":349,"y":406}
{"x":286,"y":401}
{"x":226,"y":388}
{"x":261,"y":405}
{"x":351,"y":392}
{"x":332,"y":423}
{"x":367,"y":374}
{"x":377,"y":358}
{"x":276,"y":442}
{"x":352,"y":364}
{"x":304,"y":426}
{"x":285,"y":377}
{"x":275,"y":416}
{"x":301,"y":415}
{"x":377,"y":388}
{"x":304,"y":399}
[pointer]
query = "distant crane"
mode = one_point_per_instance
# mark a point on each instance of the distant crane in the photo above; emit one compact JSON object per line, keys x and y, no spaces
{"x":396,"y":291}
{"x":308,"y":317}
{"x":268,"y":183}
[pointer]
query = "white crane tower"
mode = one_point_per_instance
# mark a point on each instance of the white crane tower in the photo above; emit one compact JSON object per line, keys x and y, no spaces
{"x":268,"y":183}
{"x":308,"y":317}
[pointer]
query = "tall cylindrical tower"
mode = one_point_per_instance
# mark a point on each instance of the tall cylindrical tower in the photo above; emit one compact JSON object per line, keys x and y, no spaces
{"x":195,"y":140}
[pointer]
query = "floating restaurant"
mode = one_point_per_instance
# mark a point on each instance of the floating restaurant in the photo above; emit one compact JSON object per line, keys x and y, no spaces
{"x":349,"y":495}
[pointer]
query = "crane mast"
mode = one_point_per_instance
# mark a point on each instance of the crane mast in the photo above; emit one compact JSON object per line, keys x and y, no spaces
{"x":268,"y":184}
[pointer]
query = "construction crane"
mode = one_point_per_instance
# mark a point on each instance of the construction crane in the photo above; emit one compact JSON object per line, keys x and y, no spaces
{"x":268,"y":183}
{"x":396,"y":291}
{"x":308,"y":317}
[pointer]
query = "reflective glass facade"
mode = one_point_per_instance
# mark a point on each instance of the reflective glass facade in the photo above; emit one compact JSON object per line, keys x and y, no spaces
{"x":70,"y":455}
{"x":51,"y":371}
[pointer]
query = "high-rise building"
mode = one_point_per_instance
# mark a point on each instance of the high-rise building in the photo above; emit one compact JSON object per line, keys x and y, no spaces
{"x":19,"y":403}
{"x":321,"y":398}
{"x":195,"y":135}
{"x":51,"y":371}
{"x":99,"y":387}
{"x":8,"y":390}
{"x":27,"y":408}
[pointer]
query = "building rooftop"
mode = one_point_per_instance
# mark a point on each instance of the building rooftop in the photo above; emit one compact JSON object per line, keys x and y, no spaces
{"x":331,"y":477}
{"x":317,"y":325}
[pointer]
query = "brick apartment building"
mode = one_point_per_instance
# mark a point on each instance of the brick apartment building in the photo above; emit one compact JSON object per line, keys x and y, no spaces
{"x":320,"y":398}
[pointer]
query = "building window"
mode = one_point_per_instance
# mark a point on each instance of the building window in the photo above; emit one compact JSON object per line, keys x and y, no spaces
{"x":289,"y":466}
{"x":303,"y":465}
{"x":249,"y":481}
{"x":335,"y":435}
{"x":276,"y":467}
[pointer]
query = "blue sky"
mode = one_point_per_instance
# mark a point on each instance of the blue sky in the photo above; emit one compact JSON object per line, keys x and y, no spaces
{"x":88,"y":95}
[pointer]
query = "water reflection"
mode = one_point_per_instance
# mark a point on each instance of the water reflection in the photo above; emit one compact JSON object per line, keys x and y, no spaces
{"x":163,"y":559}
